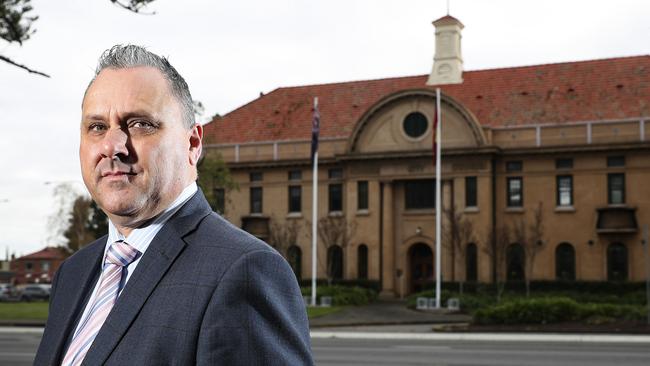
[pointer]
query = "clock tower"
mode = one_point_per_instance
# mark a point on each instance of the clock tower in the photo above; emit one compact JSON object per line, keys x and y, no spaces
{"x":448,"y":60}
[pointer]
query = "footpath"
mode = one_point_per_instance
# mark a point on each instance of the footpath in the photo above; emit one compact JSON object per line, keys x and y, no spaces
{"x":391,"y":319}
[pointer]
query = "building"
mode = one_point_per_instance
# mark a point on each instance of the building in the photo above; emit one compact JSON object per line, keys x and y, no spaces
{"x":543,"y":171}
{"x":38,"y":267}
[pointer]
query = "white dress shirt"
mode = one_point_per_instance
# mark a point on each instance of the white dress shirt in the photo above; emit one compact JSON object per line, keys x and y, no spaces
{"x":139,"y":238}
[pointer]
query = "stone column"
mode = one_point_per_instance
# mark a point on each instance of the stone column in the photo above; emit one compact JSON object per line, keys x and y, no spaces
{"x":389,"y":259}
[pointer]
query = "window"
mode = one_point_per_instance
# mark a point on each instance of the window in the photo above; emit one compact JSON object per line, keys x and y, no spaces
{"x":564,"y":190}
{"x":564,"y":163}
{"x":515,"y":192}
{"x":362,"y":262}
{"x":470,"y":192}
{"x":335,"y":262}
{"x":565,"y":262}
{"x":616,"y":262}
{"x":256,"y":199}
{"x":256,"y":176}
{"x":335,"y":197}
{"x":362,"y":195}
{"x":335,"y":173}
{"x":616,"y":188}
{"x":29,"y":266}
{"x":45,"y":266}
{"x":415,"y":125}
{"x":615,"y":161}
{"x":295,"y":175}
{"x":294,"y":257}
{"x":514,"y":166}
{"x":295,"y":199}
{"x":419,"y":194}
{"x":220,"y":200}
{"x":515,"y":263}
{"x":471,"y":263}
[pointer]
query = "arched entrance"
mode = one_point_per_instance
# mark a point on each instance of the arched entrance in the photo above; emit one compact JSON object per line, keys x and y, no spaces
{"x":421,"y":266}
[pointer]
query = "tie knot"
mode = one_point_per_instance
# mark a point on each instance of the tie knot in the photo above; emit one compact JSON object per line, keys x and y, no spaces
{"x":121,"y":253}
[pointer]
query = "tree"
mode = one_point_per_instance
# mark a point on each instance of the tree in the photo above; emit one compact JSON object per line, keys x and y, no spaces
{"x":17,"y":21}
{"x":214,"y":176}
{"x":283,"y":234}
{"x":64,"y":197}
{"x":531,"y":238}
{"x":333,"y":231}
{"x":459,"y":233}
{"x":496,"y":251}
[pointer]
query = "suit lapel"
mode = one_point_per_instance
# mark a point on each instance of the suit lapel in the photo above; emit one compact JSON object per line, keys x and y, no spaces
{"x":73,"y":295}
{"x":164,"y":249}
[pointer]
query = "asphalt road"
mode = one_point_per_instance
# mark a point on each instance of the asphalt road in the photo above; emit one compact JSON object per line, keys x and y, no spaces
{"x":342,"y":352}
{"x":17,"y":348}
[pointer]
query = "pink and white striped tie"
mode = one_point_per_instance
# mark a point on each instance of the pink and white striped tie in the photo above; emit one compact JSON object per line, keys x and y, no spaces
{"x":118,"y":256}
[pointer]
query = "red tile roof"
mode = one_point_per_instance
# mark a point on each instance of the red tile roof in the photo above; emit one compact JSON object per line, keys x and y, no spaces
{"x":552,"y":93}
{"x":47,"y":253}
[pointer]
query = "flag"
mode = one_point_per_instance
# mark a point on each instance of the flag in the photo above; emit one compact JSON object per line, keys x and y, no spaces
{"x":315,"y":129}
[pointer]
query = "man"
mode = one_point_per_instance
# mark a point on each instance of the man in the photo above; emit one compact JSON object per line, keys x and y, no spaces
{"x":172,"y":283}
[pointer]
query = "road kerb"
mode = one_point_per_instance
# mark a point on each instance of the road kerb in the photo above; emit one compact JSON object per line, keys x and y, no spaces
{"x":489,"y":337}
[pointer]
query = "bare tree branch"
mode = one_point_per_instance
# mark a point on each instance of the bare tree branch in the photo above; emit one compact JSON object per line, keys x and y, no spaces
{"x":32,"y":71}
{"x":134,"y":5}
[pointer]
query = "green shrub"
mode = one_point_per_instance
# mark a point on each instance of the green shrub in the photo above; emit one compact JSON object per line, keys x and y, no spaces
{"x":343,"y":295}
{"x":554,"y":310}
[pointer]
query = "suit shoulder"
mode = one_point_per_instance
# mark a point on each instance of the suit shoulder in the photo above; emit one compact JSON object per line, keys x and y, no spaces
{"x":216,"y":231}
{"x":88,"y":252}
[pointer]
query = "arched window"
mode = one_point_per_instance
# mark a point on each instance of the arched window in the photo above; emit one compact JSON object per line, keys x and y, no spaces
{"x":294,"y":257}
{"x":362,"y":262}
{"x":515,"y":263}
{"x":616,"y":262}
{"x":471,"y":263}
{"x":335,"y":262}
{"x":565,"y":262}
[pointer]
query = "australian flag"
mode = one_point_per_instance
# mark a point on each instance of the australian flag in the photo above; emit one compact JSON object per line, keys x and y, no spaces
{"x":315,"y":129}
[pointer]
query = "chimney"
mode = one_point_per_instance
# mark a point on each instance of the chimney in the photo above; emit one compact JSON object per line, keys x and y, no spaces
{"x":447,"y":61}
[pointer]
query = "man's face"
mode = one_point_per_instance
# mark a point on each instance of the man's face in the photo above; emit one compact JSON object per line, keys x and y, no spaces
{"x":136,"y":155}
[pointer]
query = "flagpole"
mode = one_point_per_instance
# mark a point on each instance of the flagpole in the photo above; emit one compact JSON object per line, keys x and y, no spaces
{"x":438,"y":197}
{"x":314,"y":215}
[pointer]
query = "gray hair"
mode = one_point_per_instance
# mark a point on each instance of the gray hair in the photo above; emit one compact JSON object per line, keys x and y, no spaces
{"x":127,"y":56}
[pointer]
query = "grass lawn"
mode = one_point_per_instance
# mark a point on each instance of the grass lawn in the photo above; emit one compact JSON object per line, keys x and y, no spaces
{"x":318,"y":311}
{"x":24,"y":310}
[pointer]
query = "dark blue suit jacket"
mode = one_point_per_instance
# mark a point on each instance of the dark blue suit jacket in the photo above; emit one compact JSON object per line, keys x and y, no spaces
{"x":204,"y":293}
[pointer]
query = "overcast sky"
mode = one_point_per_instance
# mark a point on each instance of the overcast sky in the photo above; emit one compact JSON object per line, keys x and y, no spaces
{"x":230,"y":51}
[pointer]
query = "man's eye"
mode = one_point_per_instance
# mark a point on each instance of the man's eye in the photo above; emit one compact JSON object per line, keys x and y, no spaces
{"x":141,"y":124}
{"x":96,"y":127}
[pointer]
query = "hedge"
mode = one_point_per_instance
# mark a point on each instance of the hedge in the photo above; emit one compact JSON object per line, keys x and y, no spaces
{"x":343,"y":295}
{"x":554,"y":310}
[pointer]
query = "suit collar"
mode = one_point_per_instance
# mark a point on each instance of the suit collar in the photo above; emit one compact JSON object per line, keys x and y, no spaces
{"x":73,"y":293}
{"x":164,"y":249}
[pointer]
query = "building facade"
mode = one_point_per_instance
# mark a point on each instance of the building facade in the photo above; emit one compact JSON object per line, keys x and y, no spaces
{"x":543,"y":172}
{"x":38,"y":267}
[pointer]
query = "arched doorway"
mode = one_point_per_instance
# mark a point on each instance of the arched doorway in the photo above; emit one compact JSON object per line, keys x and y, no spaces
{"x":421,"y":266}
{"x":471,"y":263}
{"x":362,"y":262}
{"x":565,"y":262}
{"x":617,"y":262}
{"x":515,"y":263}
{"x":335,"y":262}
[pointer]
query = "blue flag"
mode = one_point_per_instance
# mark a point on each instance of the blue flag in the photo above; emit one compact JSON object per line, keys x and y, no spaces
{"x":315,"y":129}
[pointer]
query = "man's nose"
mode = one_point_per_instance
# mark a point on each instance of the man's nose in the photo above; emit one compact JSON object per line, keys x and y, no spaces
{"x":114,"y":143}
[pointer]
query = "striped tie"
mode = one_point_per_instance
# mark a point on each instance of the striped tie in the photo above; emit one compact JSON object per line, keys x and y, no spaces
{"x":118,"y":256}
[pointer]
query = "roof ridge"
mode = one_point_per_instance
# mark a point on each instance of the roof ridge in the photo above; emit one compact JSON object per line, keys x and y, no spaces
{"x":559,"y":63}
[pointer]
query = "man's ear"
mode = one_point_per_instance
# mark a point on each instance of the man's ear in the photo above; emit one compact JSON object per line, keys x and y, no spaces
{"x":196,"y":146}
